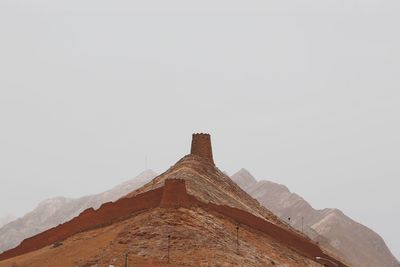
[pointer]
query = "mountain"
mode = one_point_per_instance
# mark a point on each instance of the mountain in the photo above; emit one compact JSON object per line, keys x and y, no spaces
{"x":352,"y":241}
{"x":191,"y":215}
{"x":6,"y":219}
{"x":54,"y":211}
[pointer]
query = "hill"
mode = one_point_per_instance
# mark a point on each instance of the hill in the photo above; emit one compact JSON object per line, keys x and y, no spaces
{"x":204,"y":217}
{"x":353,"y":241}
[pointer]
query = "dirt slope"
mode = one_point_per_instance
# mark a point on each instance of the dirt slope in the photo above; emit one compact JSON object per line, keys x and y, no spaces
{"x":205,"y":218}
{"x":52,"y":212}
{"x":197,"y":238}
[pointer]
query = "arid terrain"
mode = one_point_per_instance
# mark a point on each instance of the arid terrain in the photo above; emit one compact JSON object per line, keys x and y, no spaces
{"x":197,"y":238}
{"x":52,"y":212}
{"x":191,"y":215}
{"x":353,"y":241}
{"x":275,"y":197}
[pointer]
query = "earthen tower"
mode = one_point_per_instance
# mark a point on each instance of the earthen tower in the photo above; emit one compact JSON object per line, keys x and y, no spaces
{"x":201,"y":146}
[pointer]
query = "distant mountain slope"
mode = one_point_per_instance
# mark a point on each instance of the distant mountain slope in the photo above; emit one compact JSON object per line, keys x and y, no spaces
{"x":354,"y":242}
{"x":54,"y":211}
{"x":6,"y":219}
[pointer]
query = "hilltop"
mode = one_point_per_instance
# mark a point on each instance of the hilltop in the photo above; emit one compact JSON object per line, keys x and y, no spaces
{"x":204,"y":215}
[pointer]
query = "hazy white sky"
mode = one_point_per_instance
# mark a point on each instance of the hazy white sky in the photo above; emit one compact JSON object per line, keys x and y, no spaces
{"x":303,"y":93}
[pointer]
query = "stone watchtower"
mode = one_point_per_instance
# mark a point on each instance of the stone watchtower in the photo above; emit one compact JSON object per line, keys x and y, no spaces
{"x":201,"y":146}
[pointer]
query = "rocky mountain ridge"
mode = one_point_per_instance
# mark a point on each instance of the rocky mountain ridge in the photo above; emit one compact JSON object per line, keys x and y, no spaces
{"x":54,"y":211}
{"x":352,"y":241}
{"x":6,"y":219}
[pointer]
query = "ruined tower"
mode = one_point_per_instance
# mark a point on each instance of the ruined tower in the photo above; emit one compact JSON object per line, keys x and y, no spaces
{"x":201,"y":146}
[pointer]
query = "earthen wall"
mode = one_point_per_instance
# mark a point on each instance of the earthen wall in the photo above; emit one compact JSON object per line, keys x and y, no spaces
{"x":172,"y":195}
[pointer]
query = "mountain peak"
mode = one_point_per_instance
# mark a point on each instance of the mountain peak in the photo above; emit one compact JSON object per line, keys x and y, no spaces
{"x":244,"y":178}
{"x":333,"y":230}
{"x":244,"y":172}
{"x":205,"y":181}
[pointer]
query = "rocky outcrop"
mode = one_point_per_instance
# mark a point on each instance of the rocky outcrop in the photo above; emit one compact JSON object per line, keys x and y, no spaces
{"x":352,"y":241}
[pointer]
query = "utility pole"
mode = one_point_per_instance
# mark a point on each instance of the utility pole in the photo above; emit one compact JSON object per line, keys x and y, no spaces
{"x":237,"y":239}
{"x":169,"y":237}
{"x":126,"y":259}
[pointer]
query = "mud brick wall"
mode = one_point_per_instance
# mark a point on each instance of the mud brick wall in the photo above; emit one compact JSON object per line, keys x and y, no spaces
{"x":201,"y":146}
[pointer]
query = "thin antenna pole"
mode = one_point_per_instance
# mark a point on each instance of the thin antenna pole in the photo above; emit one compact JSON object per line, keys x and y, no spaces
{"x":237,"y":239}
{"x":168,"y":249}
{"x":126,"y":259}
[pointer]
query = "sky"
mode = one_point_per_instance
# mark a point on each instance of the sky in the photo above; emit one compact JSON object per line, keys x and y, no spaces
{"x":302,"y":93}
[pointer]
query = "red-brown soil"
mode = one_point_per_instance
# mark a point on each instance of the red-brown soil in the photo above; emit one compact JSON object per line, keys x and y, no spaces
{"x":107,"y":214}
{"x":209,"y":219}
{"x":198,"y":237}
{"x":172,"y":195}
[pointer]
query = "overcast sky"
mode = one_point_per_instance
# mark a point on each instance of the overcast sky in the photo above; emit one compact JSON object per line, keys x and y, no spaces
{"x":303,"y":93}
